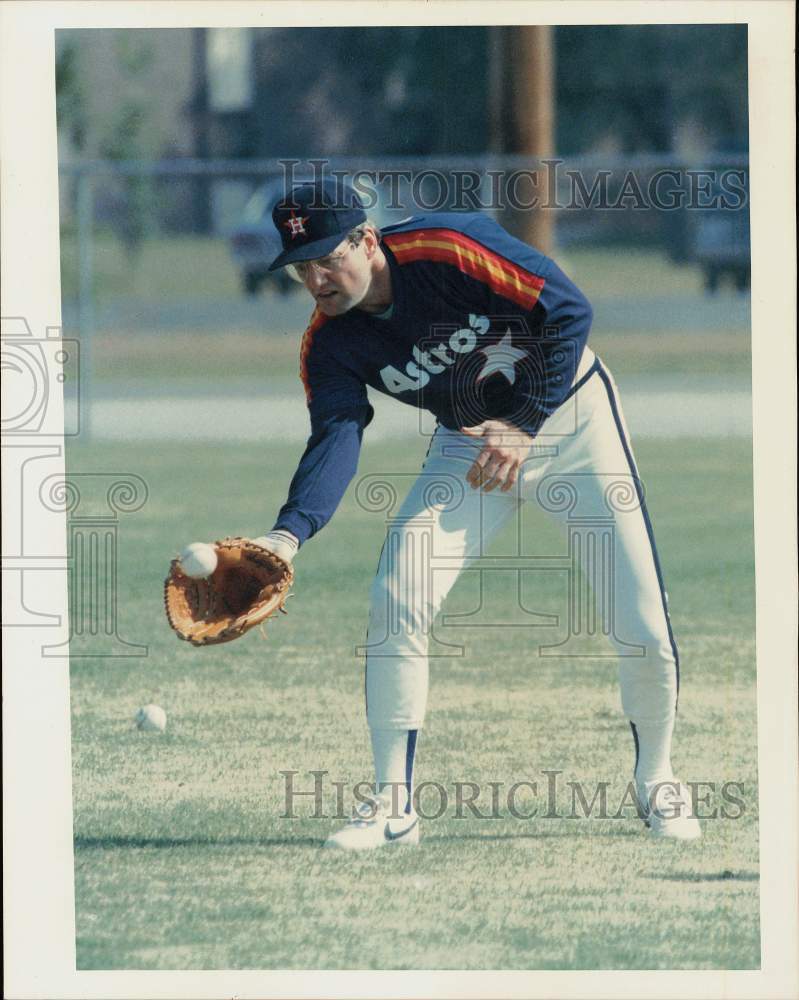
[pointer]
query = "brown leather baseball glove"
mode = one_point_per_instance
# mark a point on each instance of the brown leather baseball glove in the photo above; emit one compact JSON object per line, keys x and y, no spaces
{"x":249,"y":585}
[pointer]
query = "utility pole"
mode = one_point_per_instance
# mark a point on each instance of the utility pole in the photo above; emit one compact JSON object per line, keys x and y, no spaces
{"x":534,"y":114}
{"x":521,"y":110}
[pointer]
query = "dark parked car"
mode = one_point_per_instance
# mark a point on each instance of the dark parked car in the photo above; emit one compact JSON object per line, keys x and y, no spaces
{"x":254,"y":243}
{"x":721,"y":247}
{"x":712,"y":229}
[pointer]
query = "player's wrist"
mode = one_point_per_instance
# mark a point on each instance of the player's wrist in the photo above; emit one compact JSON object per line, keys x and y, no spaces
{"x":283,"y":543}
{"x":513,"y":435}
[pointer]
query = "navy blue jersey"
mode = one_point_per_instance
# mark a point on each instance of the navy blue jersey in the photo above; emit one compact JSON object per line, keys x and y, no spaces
{"x":482,"y":326}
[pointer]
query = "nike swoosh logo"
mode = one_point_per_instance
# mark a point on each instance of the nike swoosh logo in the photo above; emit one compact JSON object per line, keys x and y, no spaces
{"x":396,"y":836}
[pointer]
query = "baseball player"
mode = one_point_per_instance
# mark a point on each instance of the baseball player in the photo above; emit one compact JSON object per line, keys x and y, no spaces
{"x":449,"y":313}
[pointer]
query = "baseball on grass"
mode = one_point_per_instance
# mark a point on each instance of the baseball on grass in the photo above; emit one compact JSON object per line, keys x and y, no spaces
{"x":198,"y":560}
{"x":151,"y":718}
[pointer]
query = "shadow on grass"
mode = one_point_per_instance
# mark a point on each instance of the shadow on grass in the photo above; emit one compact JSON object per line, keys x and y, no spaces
{"x":546,"y":835}
{"x":128,"y":842}
{"x":111,"y":843}
{"x":725,"y":876}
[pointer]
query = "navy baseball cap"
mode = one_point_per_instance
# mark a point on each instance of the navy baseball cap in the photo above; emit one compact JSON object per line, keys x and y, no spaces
{"x":314,"y":218}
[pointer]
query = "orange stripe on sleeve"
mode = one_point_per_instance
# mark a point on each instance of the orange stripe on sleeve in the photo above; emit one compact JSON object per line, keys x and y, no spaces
{"x":317,"y":321}
{"x":450,"y":247}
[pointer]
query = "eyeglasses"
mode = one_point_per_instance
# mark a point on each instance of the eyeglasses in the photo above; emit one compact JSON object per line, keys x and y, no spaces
{"x":332,"y":263}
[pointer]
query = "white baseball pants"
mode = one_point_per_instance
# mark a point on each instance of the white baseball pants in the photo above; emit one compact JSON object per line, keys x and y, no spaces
{"x":582,"y":473}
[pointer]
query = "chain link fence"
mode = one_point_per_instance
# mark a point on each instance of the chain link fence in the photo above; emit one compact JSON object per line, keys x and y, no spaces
{"x":181,"y":248}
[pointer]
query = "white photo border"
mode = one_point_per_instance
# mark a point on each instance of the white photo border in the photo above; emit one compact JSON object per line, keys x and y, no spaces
{"x":39,"y":887}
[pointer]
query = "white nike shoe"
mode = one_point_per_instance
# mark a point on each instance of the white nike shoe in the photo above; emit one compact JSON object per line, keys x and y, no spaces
{"x":666,"y":807}
{"x":375,"y":824}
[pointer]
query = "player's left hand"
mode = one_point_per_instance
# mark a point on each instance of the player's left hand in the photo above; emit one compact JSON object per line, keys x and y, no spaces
{"x":505,"y":447}
{"x":281,"y":542}
{"x":248,"y":586}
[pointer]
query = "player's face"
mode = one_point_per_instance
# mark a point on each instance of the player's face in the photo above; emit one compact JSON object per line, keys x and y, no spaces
{"x":339,"y":281}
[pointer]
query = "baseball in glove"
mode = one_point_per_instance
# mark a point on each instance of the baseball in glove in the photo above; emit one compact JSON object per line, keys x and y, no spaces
{"x":249,"y":585}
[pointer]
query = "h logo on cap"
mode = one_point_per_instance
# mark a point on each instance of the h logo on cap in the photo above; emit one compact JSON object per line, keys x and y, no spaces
{"x":296,"y":225}
{"x":314,"y":218}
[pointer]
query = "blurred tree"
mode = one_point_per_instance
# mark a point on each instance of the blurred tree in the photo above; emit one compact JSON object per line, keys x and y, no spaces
{"x":428,"y":90}
{"x":71,"y":114}
{"x":401,"y":90}
{"x":630,"y":86}
{"x":126,"y":135}
{"x":372,"y":91}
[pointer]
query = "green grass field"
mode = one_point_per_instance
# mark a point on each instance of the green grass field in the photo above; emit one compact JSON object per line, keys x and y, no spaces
{"x":202,"y":266}
{"x":182,"y":859}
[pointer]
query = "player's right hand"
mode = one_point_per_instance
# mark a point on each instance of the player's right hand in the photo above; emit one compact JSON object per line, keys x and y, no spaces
{"x":505,"y":447}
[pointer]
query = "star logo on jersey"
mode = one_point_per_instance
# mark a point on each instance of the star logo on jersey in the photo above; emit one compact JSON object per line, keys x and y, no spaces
{"x":295,"y":225}
{"x":502,"y":358}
